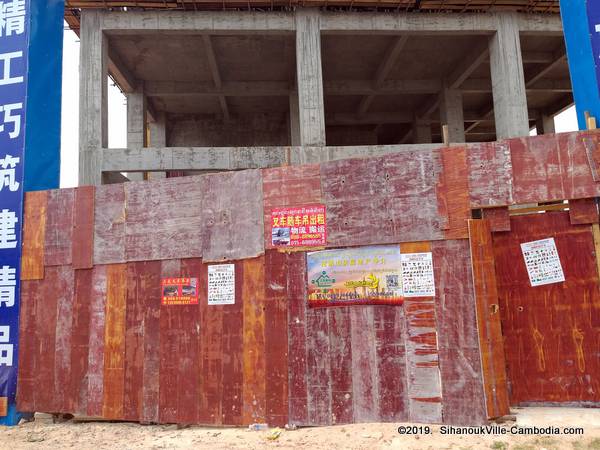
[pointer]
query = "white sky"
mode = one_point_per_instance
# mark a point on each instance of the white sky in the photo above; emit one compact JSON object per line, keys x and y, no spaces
{"x":117,"y":114}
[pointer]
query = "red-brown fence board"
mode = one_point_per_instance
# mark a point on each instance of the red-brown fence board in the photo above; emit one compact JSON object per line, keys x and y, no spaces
{"x":96,"y":342}
{"x":28,"y":358}
{"x":83,"y":228}
{"x":490,"y":174}
{"x":34,"y":232}
{"x":64,"y":286}
{"x":498,"y":218}
{"x":109,"y":224}
{"x":456,"y":191}
{"x":59,"y":227}
{"x":583,"y":211}
{"x":80,"y":339}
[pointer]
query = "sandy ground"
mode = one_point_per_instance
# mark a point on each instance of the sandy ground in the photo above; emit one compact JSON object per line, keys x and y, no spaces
{"x":105,"y":435}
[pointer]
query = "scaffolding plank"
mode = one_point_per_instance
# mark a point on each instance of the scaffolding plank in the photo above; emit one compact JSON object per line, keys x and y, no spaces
{"x":232,"y":217}
{"x":59,"y":227}
{"x":109,"y":224}
{"x":34,"y":231}
{"x":83,"y":228}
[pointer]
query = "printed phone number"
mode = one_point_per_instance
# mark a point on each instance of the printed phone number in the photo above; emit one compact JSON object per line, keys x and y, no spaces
{"x":491,"y":430}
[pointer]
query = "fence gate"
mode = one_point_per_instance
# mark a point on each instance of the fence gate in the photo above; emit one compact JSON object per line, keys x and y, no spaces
{"x":551,"y":332}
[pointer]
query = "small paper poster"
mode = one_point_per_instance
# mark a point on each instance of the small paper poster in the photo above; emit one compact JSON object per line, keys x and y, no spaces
{"x":304,"y":226}
{"x":542,"y":262}
{"x":221,"y":284}
{"x":179,"y":291}
{"x":417,"y":275}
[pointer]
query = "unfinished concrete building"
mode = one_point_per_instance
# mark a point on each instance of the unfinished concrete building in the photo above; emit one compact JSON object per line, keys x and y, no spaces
{"x":235,"y":85}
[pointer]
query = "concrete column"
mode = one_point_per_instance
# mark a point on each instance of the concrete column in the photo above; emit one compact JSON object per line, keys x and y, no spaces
{"x":545,"y":124}
{"x":451,"y":113}
{"x":421,"y":131}
{"x":136,"y":119}
{"x":158,"y":139}
{"x":294,"y":120}
{"x":508,"y":80}
{"x":93,"y":106}
{"x":311,"y":109}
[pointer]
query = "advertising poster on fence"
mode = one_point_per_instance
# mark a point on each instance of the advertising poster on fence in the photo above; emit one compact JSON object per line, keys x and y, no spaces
{"x":542,"y":262}
{"x":179,"y":291}
{"x":221,"y":284}
{"x":417,"y":275}
{"x":303,"y":226}
{"x":354,"y":276}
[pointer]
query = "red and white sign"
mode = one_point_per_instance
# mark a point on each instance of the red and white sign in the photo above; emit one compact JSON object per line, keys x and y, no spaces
{"x":302,"y":226}
{"x":179,"y":291}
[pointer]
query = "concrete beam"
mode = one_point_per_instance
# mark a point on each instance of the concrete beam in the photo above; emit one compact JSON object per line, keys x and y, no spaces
{"x":508,"y":80}
{"x":476,"y":56}
{"x":93,"y":107}
{"x":388,"y":118}
{"x":216,"y":74}
{"x":310,"y":78}
{"x":560,"y":56}
{"x":120,"y":73}
{"x":484,"y":86}
{"x":227,"y":89}
{"x":539,"y":24}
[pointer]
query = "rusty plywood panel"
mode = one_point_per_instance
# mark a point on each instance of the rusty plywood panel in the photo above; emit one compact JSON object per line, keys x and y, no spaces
{"x":34,"y":232}
{"x":109,"y":224}
{"x":318,"y":367}
{"x":232,"y":219}
{"x":455,"y":189}
{"x":83,"y":228}
{"x":276,"y":332}
{"x":297,"y":361}
{"x":550,"y":331}
{"x":289,"y":186}
{"x":583,"y":211}
{"x":488,"y":318}
{"x":80,"y":340}
{"x":28,"y":345}
{"x":577,"y":174}
{"x":422,"y":362}
{"x":498,"y":218}
{"x":164,"y":219}
{"x":490,"y":174}
{"x":458,"y":340}
{"x":254,"y":391}
{"x":59,"y":227}
{"x":96,"y":342}
{"x":591,"y":143}
{"x":63,"y":286}
{"x":114,"y":341}
{"x":340,"y":350}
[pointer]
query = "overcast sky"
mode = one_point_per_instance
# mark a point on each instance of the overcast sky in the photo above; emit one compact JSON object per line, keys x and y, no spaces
{"x":117,"y":114}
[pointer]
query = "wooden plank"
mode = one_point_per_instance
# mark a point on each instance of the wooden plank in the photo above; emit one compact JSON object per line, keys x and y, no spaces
{"x":254,"y":390}
{"x":31,"y":291}
{"x":422,"y":362}
{"x":114,"y":339}
{"x":80,"y":339}
{"x":153,"y":233}
{"x":96,"y":342}
{"x":576,"y":171}
{"x":232,"y":217}
{"x":149,"y":273}
{"x":458,"y":340}
{"x":490,"y":174}
{"x":34,"y":232}
{"x":365,"y":401}
{"x":499,"y":218}
{"x":340,"y":348}
{"x":488,"y":319}
{"x":188,"y":387}
{"x":109,"y":224}
{"x":169,"y":360}
{"x":45,"y":337}
{"x":276,"y":344}
{"x":297,"y":360}
{"x":596,"y":237}
{"x":134,"y":343}
{"x":289,"y":186}
{"x":59,"y":227}
{"x":583,"y":211}
{"x":63,"y":289}
{"x":456,"y":186}
{"x":390,"y":336}
{"x":83,"y":228}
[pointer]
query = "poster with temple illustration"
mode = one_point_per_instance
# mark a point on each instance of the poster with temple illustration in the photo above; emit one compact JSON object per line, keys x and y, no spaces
{"x":354,"y":276}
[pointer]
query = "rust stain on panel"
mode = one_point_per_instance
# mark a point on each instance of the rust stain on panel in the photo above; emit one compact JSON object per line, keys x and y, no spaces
{"x":254,"y":391}
{"x":109,"y":224}
{"x":456,"y":187}
{"x":59,"y":227}
{"x":114,"y":341}
{"x":340,"y":349}
{"x":31,"y":291}
{"x":96,"y":341}
{"x":583,"y":211}
{"x":490,"y":174}
{"x":83,"y":228}
{"x":488,"y":319}
{"x":80,"y":338}
{"x":34,"y":232}
{"x":63,"y":285}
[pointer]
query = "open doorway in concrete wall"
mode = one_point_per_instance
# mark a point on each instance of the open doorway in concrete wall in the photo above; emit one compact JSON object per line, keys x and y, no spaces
{"x":398,"y":89}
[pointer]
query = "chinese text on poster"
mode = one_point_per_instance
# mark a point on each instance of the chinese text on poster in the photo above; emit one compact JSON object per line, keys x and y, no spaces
{"x":221,"y":284}
{"x":303,"y":226}
{"x":179,"y":291}
{"x":542,"y":262}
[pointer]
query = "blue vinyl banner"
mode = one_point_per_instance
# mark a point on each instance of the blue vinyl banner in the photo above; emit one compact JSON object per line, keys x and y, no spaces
{"x":580,"y":19}
{"x":14,"y":37}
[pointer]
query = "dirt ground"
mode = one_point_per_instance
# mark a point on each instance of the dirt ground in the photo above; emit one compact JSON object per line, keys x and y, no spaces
{"x":105,"y":435}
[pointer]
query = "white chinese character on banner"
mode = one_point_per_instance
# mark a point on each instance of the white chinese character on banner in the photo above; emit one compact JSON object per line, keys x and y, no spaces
{"x":9,"y":118}
{"x":8,"y":238}
{"x":12,"y":17}
{"x":8,"y":281}
{"x":7,"y":173}
{"x":6,"y":349}
{"x":6,"y":78}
